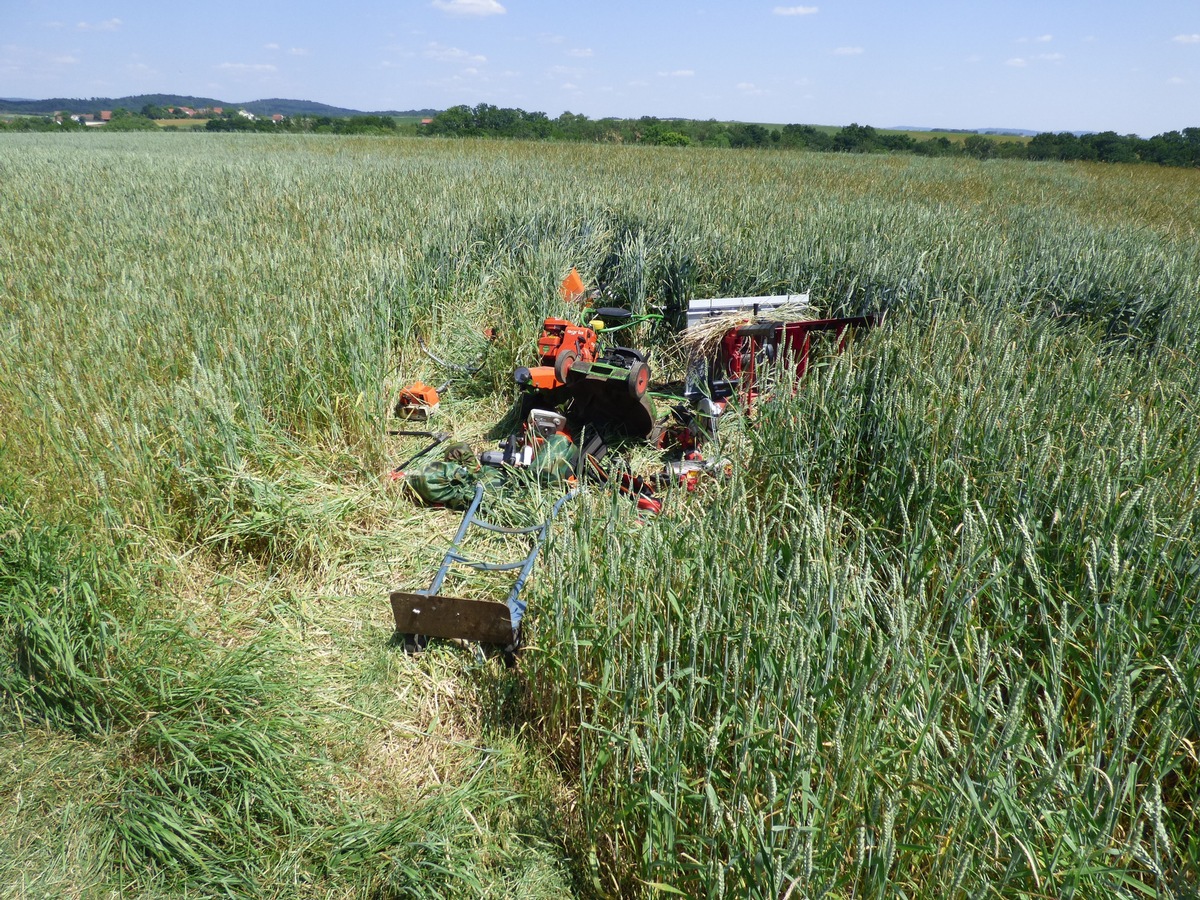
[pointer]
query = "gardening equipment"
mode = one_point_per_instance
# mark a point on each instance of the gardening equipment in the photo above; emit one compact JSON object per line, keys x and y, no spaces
{"x":568,"y":351}
{"x":598,"y":389}
{"x":419,"y":400}
{"x":425,"y":613}
{"x":616,"y":366}
{"x":562,"y":344}
{"x":545,"y":448}
{"x":711,"y":307}
{"x":733,"y":338}
{"x":693,"y":466}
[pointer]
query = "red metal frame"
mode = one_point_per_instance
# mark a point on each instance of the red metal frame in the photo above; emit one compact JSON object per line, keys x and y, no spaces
{"x":741,"y":346}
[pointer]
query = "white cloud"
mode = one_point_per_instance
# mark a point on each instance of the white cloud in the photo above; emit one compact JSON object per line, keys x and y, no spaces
{"x":470,"y":7}
{"x":1017,"y":62}
{"x":580,"y":52}
{"x":64,"y":60}
{"x":1175,"y":79}
{"x":246,"y":67}
{"x":1043,"y":39}
{"x":1051,"y":57}
{"x":1186,"y":39}
{"x":847,"y":51}
{"x":678,"y":73}
{"x":795,"y":10}
{"x":568,"y":86}
{"x":299,"y":51}
{"x":442,"y":53}
{"x":271,"y":46}
{"x":749,"y":87}
{"x":107,"y":25}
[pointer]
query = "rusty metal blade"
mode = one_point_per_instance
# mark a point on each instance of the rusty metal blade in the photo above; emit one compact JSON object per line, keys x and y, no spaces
{"x":486,"y":621}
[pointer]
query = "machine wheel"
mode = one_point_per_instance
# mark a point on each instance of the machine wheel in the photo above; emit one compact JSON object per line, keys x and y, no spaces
{"x":563,"y":363}
{"x":638,"y":379}
{"x":510,"y":652}
{"x":412,"y":643}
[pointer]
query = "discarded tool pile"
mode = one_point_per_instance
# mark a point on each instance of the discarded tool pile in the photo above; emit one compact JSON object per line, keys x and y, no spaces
{"x":586,"y":397}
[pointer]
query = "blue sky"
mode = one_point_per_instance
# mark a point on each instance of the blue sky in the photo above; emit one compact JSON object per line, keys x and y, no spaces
{"x":1038,"y":64}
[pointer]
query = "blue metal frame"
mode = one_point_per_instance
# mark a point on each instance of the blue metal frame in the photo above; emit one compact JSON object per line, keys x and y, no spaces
{"x":516,"y":606}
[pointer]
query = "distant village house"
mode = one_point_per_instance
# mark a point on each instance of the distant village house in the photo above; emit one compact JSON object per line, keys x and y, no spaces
{"x":105,"y":115}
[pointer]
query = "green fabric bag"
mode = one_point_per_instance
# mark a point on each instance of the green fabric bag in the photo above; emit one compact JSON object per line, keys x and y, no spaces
{"x":445,"y":483}
{"x":555,"y":460}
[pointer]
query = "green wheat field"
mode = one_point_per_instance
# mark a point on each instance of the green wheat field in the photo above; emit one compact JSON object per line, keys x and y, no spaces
{"x":936,"y":636}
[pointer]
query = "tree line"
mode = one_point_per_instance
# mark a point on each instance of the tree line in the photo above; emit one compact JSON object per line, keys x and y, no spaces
{"x":231,"y":120}
{"x":308,"y":124}
{"x":1173,"y":148}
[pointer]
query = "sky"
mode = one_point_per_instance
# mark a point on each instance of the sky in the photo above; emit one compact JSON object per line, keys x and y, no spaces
{"x":1048,"y":65}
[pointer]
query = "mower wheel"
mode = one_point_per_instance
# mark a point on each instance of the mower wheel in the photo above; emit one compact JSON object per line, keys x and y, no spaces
{"x":563,"y":363}
{"x":638,"y":379}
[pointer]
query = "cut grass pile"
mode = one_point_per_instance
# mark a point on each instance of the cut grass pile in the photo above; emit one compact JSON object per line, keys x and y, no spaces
{"x":937,"y":634}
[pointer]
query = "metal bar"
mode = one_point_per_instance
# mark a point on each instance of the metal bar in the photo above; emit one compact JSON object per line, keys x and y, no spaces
{"x":481,"y":566}
{"x":517,"y":606}
{"x":500,"y":529}
{"x":701,"y":309}
{"x":448,"y":559}
{"x":439,"y":438}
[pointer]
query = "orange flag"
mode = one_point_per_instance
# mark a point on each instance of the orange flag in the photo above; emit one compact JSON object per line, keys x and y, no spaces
{"x":572,"y":287}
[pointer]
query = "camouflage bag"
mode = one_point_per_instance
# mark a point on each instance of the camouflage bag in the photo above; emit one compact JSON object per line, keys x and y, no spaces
{"x":449,"y":482}
{"x":444,"y":483}
{"x":555,"y":460}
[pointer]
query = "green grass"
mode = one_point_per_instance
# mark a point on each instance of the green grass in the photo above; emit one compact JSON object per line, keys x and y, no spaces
{"x":184,"y":123}
{"x":957,"y":137}
{"x":935,"y":637}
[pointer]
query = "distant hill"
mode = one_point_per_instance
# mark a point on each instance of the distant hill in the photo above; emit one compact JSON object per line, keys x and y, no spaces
{"x":312,"y":108}
{"x":1021,"y":132}
{"x":258,"y":107}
